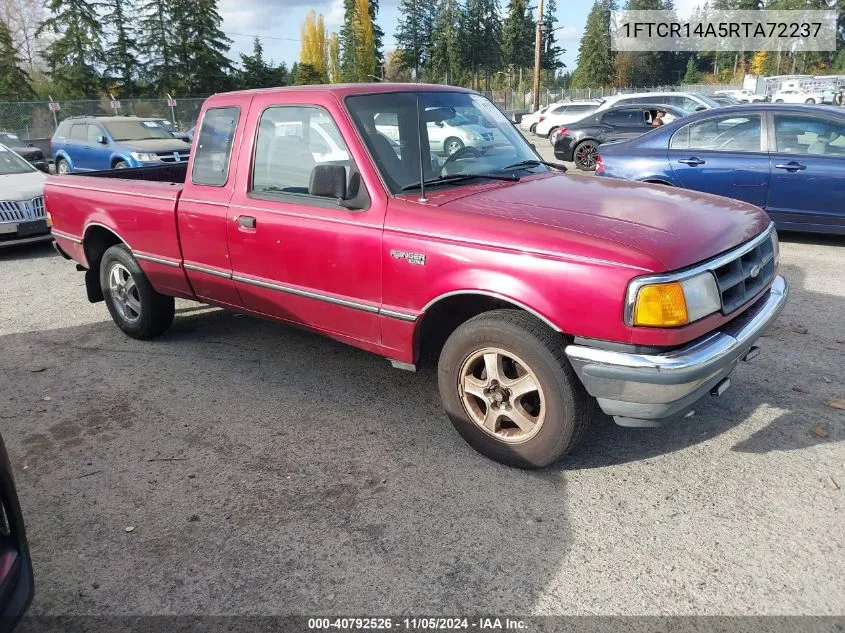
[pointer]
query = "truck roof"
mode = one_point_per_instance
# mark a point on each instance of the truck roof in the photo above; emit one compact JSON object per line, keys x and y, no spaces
{"x":344,"y":90}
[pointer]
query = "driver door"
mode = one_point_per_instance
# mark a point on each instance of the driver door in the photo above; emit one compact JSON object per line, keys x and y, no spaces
{"x":296,"y":256}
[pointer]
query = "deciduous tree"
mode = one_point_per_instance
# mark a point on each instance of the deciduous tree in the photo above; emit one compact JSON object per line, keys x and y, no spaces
{"x":314,"y":46}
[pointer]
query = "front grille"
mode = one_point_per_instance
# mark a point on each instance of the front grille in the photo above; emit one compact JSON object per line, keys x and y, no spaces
{"x":22,"y":210}
{"x":173,"y":157}
{"x":742,"y":278}
{"x":487,"y":136}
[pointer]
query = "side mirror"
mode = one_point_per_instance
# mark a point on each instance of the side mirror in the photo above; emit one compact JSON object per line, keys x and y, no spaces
{"x":102,"y":140}
{"x":30,"y":145}
{"x":700,"y":108}
{"x":328,"y":181}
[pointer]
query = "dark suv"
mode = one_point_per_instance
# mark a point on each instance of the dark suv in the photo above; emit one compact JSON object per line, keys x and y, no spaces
{"x":32,"y":155}
{"x":116,"y":142}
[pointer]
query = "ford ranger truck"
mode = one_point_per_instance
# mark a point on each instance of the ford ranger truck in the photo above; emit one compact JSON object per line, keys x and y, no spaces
{"x":544,"y":295}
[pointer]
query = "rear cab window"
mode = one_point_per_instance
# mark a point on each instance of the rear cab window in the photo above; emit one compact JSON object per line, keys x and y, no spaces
{"x":213,"y":153}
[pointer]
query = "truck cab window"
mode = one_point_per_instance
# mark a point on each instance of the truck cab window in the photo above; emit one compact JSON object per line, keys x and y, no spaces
{"x":292,"y":140}
{"x":214,"y":147}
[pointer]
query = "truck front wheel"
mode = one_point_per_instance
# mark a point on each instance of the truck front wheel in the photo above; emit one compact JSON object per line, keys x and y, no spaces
{"x":135,"y":306}
{"x":509,"y":390}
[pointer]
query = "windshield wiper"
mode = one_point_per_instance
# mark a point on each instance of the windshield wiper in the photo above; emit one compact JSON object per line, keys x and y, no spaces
{"x":456,"y":177}
{"x":534,"y":163}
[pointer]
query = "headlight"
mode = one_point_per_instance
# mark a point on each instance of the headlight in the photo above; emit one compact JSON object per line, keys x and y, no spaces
{"x":145,"y":157}
{"x":472,"y":136}
{"x":673,"y":303}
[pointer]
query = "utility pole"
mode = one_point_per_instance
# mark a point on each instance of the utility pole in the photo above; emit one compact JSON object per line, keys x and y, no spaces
{"x":538,"y":50}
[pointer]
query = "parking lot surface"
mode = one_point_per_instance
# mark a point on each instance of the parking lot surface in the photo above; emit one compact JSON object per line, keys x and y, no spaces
{"x":243,"y":467}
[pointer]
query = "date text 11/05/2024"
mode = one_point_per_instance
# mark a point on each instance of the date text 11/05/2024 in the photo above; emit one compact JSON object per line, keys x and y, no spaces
{"x":418,"y":624}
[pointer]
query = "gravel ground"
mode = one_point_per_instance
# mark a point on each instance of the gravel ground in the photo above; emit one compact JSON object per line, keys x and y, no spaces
{"x":266,"y":470}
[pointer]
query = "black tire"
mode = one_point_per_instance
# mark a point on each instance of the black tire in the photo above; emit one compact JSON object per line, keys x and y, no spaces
{"x":778,"y":100}
{"x":452,"y":145}
{"x":533,"y":128}
{"x":120,"y":164}
{"x":568,"y":408}
{"x":584,"y":155}
{"x":810,"y":101}
{"x":552,"y":132}
{"x":61,"y":163}
{"x":156,"y":310}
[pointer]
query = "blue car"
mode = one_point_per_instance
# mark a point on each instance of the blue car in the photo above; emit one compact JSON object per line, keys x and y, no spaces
{"x":787,"y":159}
{"x":83,"y":144}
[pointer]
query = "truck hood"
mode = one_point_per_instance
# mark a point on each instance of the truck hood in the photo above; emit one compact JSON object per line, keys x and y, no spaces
{"x":675,"y":227}
{"x":22,"y":186}
{"x":157,"y":145}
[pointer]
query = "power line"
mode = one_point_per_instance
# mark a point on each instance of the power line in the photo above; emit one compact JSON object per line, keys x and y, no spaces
{"x":265,"y":37}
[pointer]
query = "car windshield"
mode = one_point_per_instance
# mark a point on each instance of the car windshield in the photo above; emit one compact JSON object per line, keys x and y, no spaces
{"x":448,"y":148}
{"x":12,"y":140}
{"x":136,"y":130}
{"x":706,"y":99}
{"x":166,"y":125}
{"x":11,"y":163}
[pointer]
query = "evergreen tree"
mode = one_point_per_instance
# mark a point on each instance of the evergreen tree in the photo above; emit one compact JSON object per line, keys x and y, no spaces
{"x":518,"y":36}
{"x":308,"y":74}
{"x":209,"y":67}
{"x":256,"y":72}
{"x":594,"y":65}
{"x":76,"y":49}
{"x":446,"y":43}
{"x":692,"y":75}
{"x":14,"y":80}
{"x":647,"y":68}
{"x":156,"y":40}
{"x":551,"y":52}
{"x":347,"y":42}
{"x":378,"y":33}
{"x":121,"y":55}
{"x":481,"y":34}
{"x":414,"y":33}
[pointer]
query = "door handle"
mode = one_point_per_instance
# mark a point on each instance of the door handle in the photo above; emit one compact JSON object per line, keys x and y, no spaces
{"x":791,"y":166}
{"x":246,"y":221}
{"x":694,"y":161}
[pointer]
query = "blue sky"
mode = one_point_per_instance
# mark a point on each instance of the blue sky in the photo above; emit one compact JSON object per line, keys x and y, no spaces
{"x":277,"y":23}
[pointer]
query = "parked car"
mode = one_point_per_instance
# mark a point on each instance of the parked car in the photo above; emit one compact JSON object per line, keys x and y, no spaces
{"x":725,"y":100}
{"x":795,"y":170}
{"x":542,"y":294}
{"x":743,"y":96}
{"x":117,"y":142}
{"x":796,"y":95}
{"x":529,"y":121}
{"x":169,"y":127}
{"x":22,"y":216}
{"x":31,"y":154}
{"x":16,"y":579}
{"x":686,"y":101}
{"x":563,"y":114}
{"x":579,"y":142}
{"x":447,"y":136}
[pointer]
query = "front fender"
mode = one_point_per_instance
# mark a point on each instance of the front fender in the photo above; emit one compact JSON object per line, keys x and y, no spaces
{"x":62,"y":154}
{"x":126,"y":158}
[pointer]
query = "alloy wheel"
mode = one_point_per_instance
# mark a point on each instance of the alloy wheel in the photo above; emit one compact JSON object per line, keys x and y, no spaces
{"x":124,"y":293}
{"x":502,"y":395}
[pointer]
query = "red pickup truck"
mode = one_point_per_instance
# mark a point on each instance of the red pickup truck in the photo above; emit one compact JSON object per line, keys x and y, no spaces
{"x":409,"y":220}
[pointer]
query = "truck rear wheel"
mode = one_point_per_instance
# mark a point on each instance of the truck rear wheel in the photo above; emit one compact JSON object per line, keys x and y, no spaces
{"x":138,"y":310}
{"x":509,"y":390}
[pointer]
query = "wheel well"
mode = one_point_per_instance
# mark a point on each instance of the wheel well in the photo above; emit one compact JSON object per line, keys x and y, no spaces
{"x":116,"y":160}
{"x":97,"y":241}
{"x":654,"y":181}
{"x":445,"y":316}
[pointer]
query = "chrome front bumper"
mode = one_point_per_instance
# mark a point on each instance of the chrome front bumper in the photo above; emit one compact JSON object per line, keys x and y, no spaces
{"x":650,"y":389}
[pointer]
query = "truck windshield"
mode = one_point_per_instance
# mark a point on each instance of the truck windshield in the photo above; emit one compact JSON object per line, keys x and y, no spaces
{"x":130,"y":130}
{"x":455,"y":133}
{"x":11,"y":163}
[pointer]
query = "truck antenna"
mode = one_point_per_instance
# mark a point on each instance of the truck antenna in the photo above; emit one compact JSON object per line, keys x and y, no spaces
{"x":422,"y":197}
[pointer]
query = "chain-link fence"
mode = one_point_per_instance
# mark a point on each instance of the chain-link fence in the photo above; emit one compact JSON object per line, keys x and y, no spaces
{"x":32,"y":120}
{"x":524,"y":100}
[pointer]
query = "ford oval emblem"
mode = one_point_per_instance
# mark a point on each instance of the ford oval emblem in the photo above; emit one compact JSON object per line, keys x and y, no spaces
{"x":755,"y":270}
